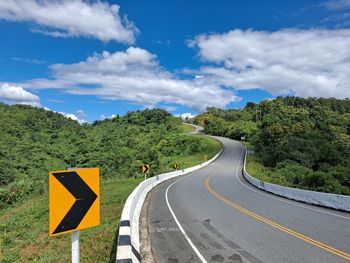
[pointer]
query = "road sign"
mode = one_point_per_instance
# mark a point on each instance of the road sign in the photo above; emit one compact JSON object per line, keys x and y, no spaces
{"x":74,"y":200}
{"x":176,"y":166}
{"x":145,"y":168}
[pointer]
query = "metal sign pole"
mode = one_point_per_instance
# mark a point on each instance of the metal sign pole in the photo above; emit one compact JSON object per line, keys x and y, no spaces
{"x":75,"y":247}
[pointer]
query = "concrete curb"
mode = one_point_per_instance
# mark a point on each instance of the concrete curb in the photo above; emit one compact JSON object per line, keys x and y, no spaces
{"x":339,"y":202}
{"x":128,"y":250}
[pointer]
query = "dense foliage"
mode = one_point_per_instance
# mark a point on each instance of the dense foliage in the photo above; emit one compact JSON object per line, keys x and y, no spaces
{"x":35,"y":141}
{"x":305,"y":142}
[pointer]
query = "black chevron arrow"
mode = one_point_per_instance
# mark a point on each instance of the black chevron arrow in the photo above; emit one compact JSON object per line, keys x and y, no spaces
{"x":145,"y":168}
{"x":84,"y":196}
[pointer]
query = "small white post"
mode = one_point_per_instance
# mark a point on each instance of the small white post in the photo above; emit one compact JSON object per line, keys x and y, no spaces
{"x":145,"y":176}
{"x":75,"y":247}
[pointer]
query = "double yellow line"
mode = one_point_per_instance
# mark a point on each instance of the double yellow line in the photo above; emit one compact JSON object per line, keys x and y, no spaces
{"x":278,"y":226}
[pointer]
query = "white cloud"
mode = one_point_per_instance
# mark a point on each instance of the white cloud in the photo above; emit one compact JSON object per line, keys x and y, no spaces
{"x":71,"y":18}
{"x":185,"y":116}
{"x":55,"y":101}
{"x":336,"y":4}
{"x":168,"y":108}
{"x":73,"y":117}
{"x":313,"y":62}
{"x":30,"y":61}
{"x":68,"y":115}
{"x":80,"y":114}
{"x":103,"y":117}
{"x":134,"y":75}
{"x":17,"y":95}
{"x":341,"y":20}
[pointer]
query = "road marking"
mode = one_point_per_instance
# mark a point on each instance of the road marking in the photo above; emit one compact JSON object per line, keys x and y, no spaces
{"x":283,"y":199}
{"x":180,"y":227}
{"x":275,"y":225}
{"x":167,"y":229}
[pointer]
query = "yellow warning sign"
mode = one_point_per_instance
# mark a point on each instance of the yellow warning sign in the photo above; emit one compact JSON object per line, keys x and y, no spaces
{"x":145,"y":168}
{"x":74,"y":200}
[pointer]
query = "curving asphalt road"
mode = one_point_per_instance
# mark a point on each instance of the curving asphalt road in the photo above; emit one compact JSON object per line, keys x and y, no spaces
{"x":214,"y":215}
{"x":197,"y":128}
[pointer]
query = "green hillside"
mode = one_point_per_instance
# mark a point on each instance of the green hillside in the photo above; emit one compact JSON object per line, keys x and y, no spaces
{"x":35,"y":141}
{"x":298,"y":142}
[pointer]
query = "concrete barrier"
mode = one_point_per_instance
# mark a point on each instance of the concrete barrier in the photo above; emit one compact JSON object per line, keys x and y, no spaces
{"x":128,"y":249}
{"x":339,"y":202}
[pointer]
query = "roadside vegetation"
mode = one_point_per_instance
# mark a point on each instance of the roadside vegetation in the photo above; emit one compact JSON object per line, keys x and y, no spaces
{"x":186,"y":128}
{"x":35,"y":141}
{"x":297,"y":142}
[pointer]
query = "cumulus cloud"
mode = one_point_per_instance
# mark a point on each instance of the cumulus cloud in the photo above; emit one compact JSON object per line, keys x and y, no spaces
{"x":17,"y":95}
{"x":168,"y":108}
{"x":80,"y":114}
{"x":68,"y":115}
{"x":71,"y":18}
{"x":136,"y":76}
{"x":341,"y":20}
{"x":336,"y":4}
{"x":185,"y":116}
{"x":73,"y":117}
{"x":103,"y":117}
{"x":313,"y":62}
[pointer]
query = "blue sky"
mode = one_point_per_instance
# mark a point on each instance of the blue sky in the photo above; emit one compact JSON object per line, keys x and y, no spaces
{"x":99,"y":58}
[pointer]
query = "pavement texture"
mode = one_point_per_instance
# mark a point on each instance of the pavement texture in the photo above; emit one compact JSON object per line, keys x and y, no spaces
{"x":222,"y":218}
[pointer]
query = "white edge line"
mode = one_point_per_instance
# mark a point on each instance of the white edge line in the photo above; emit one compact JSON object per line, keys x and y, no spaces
{"x":282,"y":199}
{"x":180,"y":227}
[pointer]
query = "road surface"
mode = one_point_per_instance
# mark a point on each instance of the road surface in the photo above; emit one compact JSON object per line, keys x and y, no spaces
{"x":197,"y":128}
{"x":214,"y":215}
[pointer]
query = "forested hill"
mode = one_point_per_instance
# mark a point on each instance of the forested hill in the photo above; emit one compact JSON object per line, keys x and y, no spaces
{"x":34,"y":141}
{"x":299,"y":142}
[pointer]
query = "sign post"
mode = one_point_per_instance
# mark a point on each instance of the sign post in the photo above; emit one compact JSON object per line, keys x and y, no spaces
{"x":75,"y":243}
{"x":75,"y":247}
{"x":74,"y":202}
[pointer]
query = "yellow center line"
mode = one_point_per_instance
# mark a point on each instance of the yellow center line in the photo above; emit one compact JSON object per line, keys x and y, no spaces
{"x":278,"y":226}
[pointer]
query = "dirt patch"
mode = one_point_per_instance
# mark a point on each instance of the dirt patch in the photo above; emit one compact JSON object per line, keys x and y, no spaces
{"x":29,"y":251}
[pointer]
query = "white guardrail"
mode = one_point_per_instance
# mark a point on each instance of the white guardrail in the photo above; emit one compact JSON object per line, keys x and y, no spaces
{"x":128,"y":250}
{"x":340,"y":202}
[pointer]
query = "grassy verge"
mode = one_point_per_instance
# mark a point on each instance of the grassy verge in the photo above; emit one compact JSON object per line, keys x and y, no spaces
{"x":253,"y":166}
{"x":261,"y":172}
{"x":24,"y":229}
{"x":186,"y":128}
{"x":256,"y":169}
{"x":209,"y":149}
{"x":249,"y":146}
